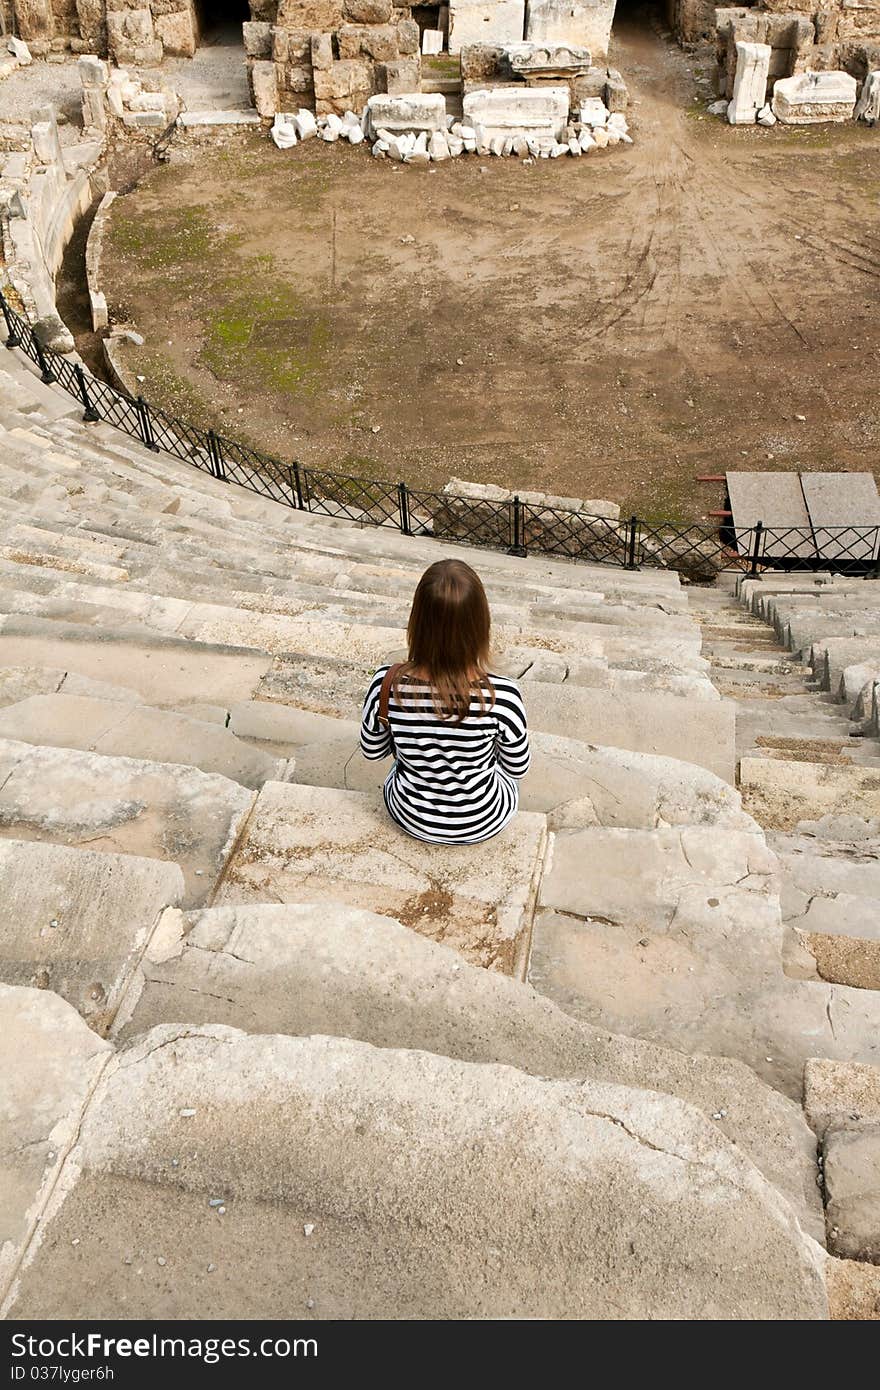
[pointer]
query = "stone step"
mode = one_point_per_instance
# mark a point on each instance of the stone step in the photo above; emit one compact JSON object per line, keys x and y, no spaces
{"x":320,"y":626}
{"x":756,"y":594}
{"x":411,"y":551}
{"x":27,"y":390}
{"x":135,"y":730}
{"x":831,"y":656}
{"x":404,"y":1161}
{"x":50,"y":1063}
{"x":843,"y":935}
{"x":77,"y":922}
{"x":835,"y":752}
{"x":165,"y":671}
{"x":573,"y":783}
{"x":125,"y":806}
{"x":623,"y":665}
{"x":699,"y":731}
{"x":675,"y":936}
{"x":340,"y":971}
{"x":314,"y":844}
{"x":781,"y":794}
{"x":193,"y":543}
{"x":19,"y":683}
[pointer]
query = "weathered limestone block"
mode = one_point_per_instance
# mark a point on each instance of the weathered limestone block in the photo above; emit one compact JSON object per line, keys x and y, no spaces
{"x":35,"y":19}
{"x":177,"y":33}
{"x":367,"y":11}
{"x":485,"y":21}
{"x":532,"y":60}
{"x":407,"y":37}
{"x":257,"y":39}
{"x":402,"y":76}
{"x":47,"y":146}
{"x":868,"y":105}
{"x":347,"y":85}
{"x":264,"y":87}
{"x":93,"y":72}
{"x":378,"y":42}
{"x":49,"y":1061}
{"x":513,"y":111}
{"x":413,"y":111}
{"x":324,"y":16}
{"x":404,"y":1165}
{"x":616,"y":94}
{"x":483,"y":64}
{"x":322,"y":52}
{"x":92,"y":22}
{"x":813,"y":97}
{"x":579,"y":22}
{"x":750,"y":86}
{"x":852,"y":1191}
{"x":94,"y":109}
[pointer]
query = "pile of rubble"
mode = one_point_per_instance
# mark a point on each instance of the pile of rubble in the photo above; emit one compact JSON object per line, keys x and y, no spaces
{"x":417,"y":129}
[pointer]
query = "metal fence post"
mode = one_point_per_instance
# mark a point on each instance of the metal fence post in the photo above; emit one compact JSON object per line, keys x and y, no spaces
{"x":632,"y":542}
{"x":874,"y":572}
{"x":403,"y":508}
{"x":757,"y":542}
{"x":216,"y":456}
{"x":90,"y":414}
{"x":146,"y":427}
{"x":14,"y":337}
{"x":297,"y":487}
{"x":45,"y":370}
{"x":517,"y":529}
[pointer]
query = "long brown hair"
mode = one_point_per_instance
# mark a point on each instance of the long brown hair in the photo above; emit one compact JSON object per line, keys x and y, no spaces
{"x":448,"y":638}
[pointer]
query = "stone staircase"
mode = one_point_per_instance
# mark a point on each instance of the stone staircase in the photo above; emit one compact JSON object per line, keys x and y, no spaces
{"x":264,"y":1056}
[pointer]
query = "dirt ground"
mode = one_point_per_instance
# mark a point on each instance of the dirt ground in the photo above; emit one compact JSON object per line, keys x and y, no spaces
{"x":604,"y":327}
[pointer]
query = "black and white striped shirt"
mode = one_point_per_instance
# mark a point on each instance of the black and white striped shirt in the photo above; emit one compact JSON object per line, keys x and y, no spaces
{"x":451,"y":784}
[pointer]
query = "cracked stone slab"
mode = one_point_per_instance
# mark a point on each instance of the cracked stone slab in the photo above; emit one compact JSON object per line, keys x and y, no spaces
{"x":122,"y":805}
{"x":314,"y":844}
{"x":417,"y":1183}
{"x":49,"y":1064}
{"x":21,"y":682}
{"x":161,"y":671}
{"x":676,"y":936}
{"x":135,"y":730}
{"x":341,"y":971}
{"x":76,"y":922}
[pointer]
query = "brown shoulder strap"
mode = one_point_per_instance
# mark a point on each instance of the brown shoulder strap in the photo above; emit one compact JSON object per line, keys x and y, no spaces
{"x":385,"y":692}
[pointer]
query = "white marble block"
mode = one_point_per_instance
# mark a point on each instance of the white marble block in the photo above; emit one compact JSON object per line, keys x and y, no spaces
{"x":814,"y":96}
{"x":518,"y":111}
{"x":432,"y":40}
{"x":577,"y":22}
{"x":499,"y":22}
{"x":413,"y":111}
{"x":868,"y":106}
{"x":750,"y":83}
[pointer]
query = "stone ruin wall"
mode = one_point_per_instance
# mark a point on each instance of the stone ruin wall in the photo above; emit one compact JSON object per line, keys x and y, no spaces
{"x":842,"y":36}
{"x":333,"y":54}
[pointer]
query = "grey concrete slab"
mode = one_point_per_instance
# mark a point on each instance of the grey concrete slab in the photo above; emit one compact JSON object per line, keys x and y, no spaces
{"x":776,"y":500}
{"x":836,"y":500}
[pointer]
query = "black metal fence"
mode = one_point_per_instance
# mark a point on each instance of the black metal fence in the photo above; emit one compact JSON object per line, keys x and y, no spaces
{"x":514,"y":524}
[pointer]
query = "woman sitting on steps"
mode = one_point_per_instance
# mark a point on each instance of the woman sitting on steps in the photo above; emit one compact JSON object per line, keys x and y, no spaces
{"x":458,"y":734}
